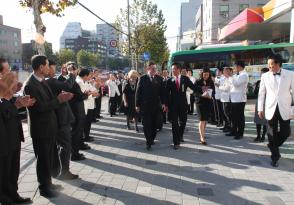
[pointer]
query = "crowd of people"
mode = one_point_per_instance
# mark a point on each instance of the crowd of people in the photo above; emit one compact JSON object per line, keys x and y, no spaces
{"x":62,"y":109}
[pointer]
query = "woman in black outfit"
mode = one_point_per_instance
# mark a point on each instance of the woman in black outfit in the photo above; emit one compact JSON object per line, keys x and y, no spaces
{"x":204,"y":94}
{"x":259,"y":122}
{"x":129,"y":90}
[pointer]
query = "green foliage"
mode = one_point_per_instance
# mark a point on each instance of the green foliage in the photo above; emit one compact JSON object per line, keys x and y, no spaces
{"x":87,"y":59}
{"x":66,"y":55}
{"x":117,"y":63}
{"x":46,"y":6}
{"x":147,"y":30}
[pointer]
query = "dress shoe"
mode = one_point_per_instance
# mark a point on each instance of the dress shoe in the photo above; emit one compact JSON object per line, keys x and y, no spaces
{"x":21,"y":200}
{"x":238,"y":137}
{"x":137,"y":129}
{"x":5,"y":201}
{"x":89,"y":139}
{"x":182,"y":140}
{"x":219,"y":125}
{"x":78,"y":158}
{"x":257,"y":139}
{"x":262,"y":139}
{"x":274,"y":163}
{"x":148,"y":147}
{"x":128,"y":127}
{"x":176,"y":147}
{"x":99,"y":117}
{"x":85,"y":147}
{"x":231,"y":134}
{"x":68,"y":176}
{"x":203,"y":142}
{"x":48,"y":193}
{"x":56,"y":187}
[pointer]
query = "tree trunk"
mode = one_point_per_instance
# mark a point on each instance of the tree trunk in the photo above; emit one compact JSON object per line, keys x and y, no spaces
{"x":40,"y":28}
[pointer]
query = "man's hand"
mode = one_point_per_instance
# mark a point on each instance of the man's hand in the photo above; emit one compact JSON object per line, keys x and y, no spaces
{"x":137,"y":109}
{"x":19,"y":86}
{"x":261,"y":114}
{"x":164,"y":108}
{"x":126,"y":104}
{"x":24,"y":101}
{"x":64,"y":97}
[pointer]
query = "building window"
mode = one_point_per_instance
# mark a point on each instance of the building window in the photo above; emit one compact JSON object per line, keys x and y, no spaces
{"x":15,"y":35}
{"x":15,"y":43}
{"x":243,"y":7}
{"x":224,"y":11}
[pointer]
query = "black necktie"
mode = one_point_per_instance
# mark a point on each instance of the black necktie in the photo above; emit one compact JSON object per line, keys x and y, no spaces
{"x":277,"y":73}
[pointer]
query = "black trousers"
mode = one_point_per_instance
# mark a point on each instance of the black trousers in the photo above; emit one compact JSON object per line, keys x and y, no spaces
{"x":88,"y":123}
{"x":4,"y":180}
{"x":10,"y":172}
{"x":220,"y":112}
{"x":43,"y":149}
{"x":97,"y":110}
{"x":238,"y":118}
{"x":112,"y":105}
{"x":227,"y":114}
{"x":278,"y":132}
{"x":150,"y":125}
{"x":164,"y":116}
{"x":64,"y":142}
{"x":191,"y":106}
{"x":213,"y":111}
{"x":77,"y":131}
{"x":179,"y":120}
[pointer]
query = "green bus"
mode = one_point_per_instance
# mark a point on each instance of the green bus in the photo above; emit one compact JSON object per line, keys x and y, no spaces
{"x":219,"y":55}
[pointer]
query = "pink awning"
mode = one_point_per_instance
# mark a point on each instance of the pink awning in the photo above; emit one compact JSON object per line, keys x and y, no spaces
{"x":248,"y":16}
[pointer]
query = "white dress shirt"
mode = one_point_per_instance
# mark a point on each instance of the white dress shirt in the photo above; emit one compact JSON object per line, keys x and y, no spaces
{"x":225,"y":89}
{"x":84,"y":87}
{"x":239,"y":87}
{"x":218,"y":80}
{"x":112,"y":88}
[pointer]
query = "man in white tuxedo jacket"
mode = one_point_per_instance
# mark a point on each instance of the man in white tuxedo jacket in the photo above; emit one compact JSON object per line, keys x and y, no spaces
{"x":275,"y":94}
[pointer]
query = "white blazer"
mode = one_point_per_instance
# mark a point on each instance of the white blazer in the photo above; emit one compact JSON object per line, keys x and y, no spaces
{"x":112,"y":88}
{"x":276,"y":95}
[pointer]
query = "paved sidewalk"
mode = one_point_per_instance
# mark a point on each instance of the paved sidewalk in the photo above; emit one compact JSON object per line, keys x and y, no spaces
{"x":119,"y":170}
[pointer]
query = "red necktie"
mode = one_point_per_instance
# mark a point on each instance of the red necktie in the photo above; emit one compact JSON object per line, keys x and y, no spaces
{"x":177,"y":83}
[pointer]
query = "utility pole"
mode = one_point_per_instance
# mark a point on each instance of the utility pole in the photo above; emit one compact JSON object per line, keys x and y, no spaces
{"x":129,"y":37}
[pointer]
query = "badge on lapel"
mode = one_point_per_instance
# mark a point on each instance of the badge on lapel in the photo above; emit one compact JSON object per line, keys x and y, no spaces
{"x":183,"y":88}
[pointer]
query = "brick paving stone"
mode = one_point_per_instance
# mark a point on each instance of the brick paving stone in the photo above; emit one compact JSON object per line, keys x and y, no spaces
{"x":118,"y":170}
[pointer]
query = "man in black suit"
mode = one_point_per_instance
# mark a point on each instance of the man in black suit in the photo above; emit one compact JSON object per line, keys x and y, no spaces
{"x":78,"y":109}
{"x":65,"y":119}
{"x":149,"y":98}
{"x":177,"y":102}
{"x":43,"y":122}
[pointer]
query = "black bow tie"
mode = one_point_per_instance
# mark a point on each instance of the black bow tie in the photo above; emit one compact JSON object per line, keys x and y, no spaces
{"x":277,"y":73}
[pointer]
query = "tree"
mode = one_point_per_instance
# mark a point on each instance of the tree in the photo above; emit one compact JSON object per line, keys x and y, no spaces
{"x":45,"y":6}
{"x":87,"y":59}
{"x":147,"y":30}
{"x":66,"y":55}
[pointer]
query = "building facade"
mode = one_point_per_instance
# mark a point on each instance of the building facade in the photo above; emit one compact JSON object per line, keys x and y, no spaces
{"x":71,"y":31}
{"x":10,"y":45}
{"x":187,"y":23}
{"x":108,"y":36}
{"x":87,"y":44}
{"x":217,"y":13}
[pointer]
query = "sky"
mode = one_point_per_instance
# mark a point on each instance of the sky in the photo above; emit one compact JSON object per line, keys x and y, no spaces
{"x":16,"y":16}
